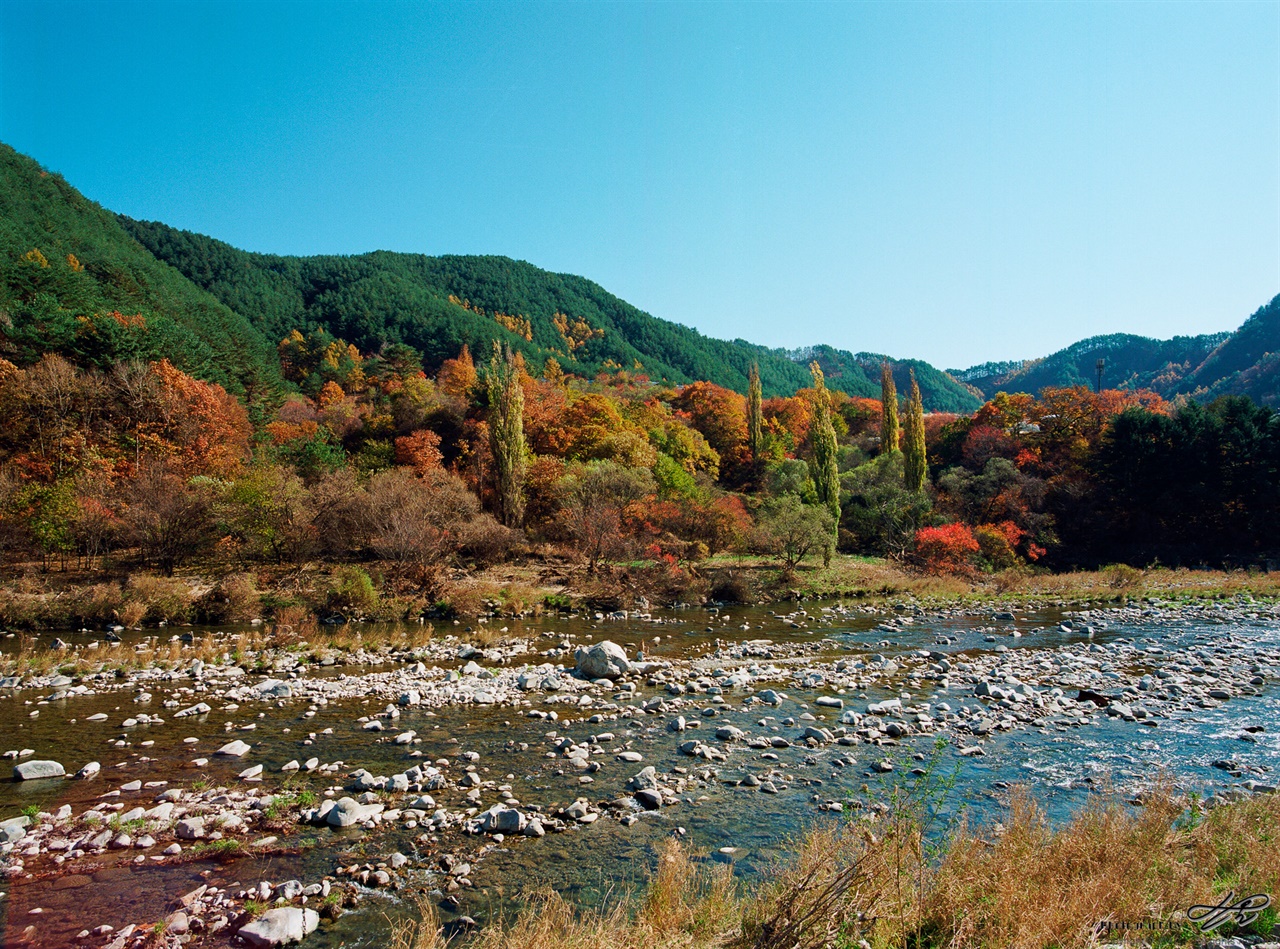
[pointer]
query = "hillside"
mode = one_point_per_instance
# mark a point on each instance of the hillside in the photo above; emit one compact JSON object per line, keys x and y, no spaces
{"x":73,"y":281}
{"x":435,"y":304}
{"x":1132,"y":362}
{"x":859,"y":374}
{"x":1246,"y":363}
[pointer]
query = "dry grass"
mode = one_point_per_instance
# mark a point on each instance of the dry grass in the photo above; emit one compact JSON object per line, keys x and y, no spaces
{"x":874,"y":579}
{"x":1022,"y":883}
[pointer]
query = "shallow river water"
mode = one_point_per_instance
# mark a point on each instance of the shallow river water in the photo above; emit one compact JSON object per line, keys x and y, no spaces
{"x":1063,"y":760}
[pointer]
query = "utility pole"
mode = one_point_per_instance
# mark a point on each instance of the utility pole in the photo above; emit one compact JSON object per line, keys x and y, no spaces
{"x":1102,"y":364}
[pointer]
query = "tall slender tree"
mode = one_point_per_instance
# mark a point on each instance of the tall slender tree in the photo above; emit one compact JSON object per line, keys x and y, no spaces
{"x":826,"y":474}
{"x":889,"y":402}
{"x":915,"y":465}
{"x":755,"y":423}
{"x":506,"y":432}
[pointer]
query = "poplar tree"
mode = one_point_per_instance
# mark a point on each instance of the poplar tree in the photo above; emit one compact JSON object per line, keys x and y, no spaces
{"x":889,"y":402}
{"x":755,"y":425}
{"x":915,"y":464}
{"x":826,"y":474}
{"x":506,"y":433}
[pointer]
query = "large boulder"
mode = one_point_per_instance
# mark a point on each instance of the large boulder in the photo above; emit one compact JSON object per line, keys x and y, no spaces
{"x":349,"y":811}
{"x":604,"y":660}
{"x":501,"y":819}
{"x":278,"y":927}
{"x":31,"y":770}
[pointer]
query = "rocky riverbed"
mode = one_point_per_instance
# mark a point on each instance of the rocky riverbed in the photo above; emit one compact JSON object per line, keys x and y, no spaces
{"x":274,"y":797}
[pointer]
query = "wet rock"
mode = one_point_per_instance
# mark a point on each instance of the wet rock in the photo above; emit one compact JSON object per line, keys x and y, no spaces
{"x":234,"y":749}
{"x":14,"y":829}
{"x":502,"y":820}
{"x":189,"y":828}
{"x":650,"y":800}
{"x":35,"y":770}
{"x":278,"y":927}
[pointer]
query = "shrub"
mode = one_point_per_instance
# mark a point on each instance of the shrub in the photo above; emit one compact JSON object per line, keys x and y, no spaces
{"x":351,"y":593}
{"x":1121,"y":576}
{"x":946,"y":549}
{"x":234,"y":599}
{"x":163,"y":599}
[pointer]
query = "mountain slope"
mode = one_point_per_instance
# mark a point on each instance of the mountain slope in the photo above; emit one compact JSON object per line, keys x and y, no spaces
{"x":73,"y":281}
{"x":1246,"y":363}
{"x":435,"y":304}
{"x":859,"y":374}
{"x":1131,"y":362}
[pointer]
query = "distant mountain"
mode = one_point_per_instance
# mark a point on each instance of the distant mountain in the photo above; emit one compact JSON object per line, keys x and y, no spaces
{"x":1131,"y":362}
{"x":859,"y":374}
{"x":1246,"y":362}
{"x":73,"y":281}
{"x":436,"y":304}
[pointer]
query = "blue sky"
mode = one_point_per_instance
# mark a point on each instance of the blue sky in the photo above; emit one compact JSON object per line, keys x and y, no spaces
{"x":957,"y":182}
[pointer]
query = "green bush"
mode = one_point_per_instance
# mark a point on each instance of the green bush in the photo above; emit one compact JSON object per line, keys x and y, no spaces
{"x":351,"y":593}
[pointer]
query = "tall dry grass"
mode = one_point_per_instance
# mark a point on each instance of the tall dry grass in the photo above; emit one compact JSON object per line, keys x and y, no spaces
{"x":1021,"y":883}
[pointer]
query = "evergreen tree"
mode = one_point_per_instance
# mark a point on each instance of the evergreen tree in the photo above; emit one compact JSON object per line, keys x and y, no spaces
{"x":889,"y":401}
{"x":755,"y":431}
{"x":506,"y":432}
{"x":915,"y":464}
{"x":826,"y":471}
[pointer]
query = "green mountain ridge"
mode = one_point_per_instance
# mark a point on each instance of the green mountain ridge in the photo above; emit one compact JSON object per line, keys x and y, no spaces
{"x":98,"y":287}
{"x":66,"y":266}
{"x":1246,"y":362}
{"x":435,"y":304}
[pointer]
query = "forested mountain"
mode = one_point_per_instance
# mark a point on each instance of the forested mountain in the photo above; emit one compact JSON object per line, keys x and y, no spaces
{"x":1132,"y":362}
{"x":73,"y":282}
{"x":859,"y":374}
{"x":77,"y":280}
{"x":436,"y":304}
{"x":1246,"y":362}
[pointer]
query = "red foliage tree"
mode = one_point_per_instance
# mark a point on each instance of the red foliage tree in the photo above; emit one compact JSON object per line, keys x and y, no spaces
{"x":946,"y":549}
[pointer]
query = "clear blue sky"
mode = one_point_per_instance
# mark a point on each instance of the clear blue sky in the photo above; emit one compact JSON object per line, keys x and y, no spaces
{"x":957,"y":182}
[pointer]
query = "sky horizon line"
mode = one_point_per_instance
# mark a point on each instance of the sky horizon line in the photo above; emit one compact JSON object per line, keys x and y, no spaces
{"x":963,"y":182}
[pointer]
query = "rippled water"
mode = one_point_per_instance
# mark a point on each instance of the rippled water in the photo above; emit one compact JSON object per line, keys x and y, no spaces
{"x":600,"y":862}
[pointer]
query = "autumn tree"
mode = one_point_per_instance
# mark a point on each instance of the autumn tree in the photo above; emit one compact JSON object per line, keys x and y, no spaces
{"x":596,"y":498}
{"x":889,"y":404}
{"x":168,"y":518}
{"x":457,"y":376}
{"x":915,"y":465}
{"x":506,"y":433}
{"x":419,"y":450}
{"x":755,"y":399}
{"x":268,"y":511}
{"x":826,"y":469}
{"x":418,"y":521}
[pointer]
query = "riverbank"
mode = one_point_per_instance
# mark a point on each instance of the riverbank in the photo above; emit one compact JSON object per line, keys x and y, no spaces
{"x":301,"y":597}
{"x":1111,"y":874}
